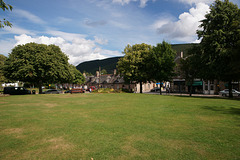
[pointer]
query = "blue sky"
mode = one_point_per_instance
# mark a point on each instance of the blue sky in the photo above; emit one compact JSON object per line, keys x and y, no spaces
{"x":96,"y":29}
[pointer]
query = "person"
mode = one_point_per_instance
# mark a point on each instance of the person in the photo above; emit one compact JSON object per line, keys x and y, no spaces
{"x":168,"y":90}
{"x":90,"y":90}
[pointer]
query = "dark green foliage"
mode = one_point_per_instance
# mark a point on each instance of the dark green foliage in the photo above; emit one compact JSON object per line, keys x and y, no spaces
{"x":134,"y":65}
{"x":109,"y":64}
{"x":235,"y":61}
{"x":220,"y":37}
{"x":191,"y":66}
{"x":38,"y":64}
{"x":91,"y":67}
{"x":183,"y":47}
{"x":2,"y":60}
{"x":103,"y":71}
{"x":161,"y":62}
{"x":5,"y":7}
{"x":78,"y":77}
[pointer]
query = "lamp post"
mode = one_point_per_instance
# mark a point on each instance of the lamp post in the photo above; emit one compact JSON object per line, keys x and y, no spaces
{"x":99,"y":77}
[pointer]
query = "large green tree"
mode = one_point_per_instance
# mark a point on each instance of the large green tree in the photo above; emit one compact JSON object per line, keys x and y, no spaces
{"x":191,"y":66}
{"x":5,"y":7}
{"x":77,"y":76}
{"x":220,"y":36}
{"x":2,"y":77}
{"x":161,"y":66}
{"x":38,"y":64}
{"x":235,"y":61}
{"x":133,"y":66}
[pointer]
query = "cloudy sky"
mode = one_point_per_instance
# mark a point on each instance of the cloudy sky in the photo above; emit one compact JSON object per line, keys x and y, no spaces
{"x":96,"y":29}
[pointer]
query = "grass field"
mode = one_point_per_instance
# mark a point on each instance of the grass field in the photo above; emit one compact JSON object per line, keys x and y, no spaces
{"x":119,"y":126}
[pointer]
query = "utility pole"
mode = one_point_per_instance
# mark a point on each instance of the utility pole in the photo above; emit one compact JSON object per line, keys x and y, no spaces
{"x":99,"y":77}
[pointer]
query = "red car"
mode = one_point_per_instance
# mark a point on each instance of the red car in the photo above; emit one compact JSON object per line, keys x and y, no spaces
{"x":92,"y":88}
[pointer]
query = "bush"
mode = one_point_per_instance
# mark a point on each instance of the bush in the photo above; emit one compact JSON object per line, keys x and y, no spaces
{"x":108,"y":90}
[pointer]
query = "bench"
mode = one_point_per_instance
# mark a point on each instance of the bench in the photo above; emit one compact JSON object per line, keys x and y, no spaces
{"x":77,"y":90}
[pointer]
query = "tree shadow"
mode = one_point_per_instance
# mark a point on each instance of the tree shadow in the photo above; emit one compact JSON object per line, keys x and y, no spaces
{"x":223,"y":110}
{"x":207,"y":97}
{"x":220,"y":109}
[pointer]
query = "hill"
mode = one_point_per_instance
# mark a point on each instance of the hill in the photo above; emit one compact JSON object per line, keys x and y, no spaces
{"x":109,"y":64}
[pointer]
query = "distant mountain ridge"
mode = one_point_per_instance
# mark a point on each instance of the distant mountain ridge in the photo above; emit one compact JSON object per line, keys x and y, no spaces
{"x":109,"y":64}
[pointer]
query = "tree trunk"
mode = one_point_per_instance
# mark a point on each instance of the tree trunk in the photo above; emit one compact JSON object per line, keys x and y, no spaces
{"x":140,"y":87}
{"x":40,"y":86}
{"x":230,"y":89}
{"x":190,"y":94}
{"x":160,"y":88}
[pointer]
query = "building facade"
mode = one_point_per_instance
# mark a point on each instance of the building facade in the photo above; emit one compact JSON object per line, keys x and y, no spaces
{"x":115,"y":81}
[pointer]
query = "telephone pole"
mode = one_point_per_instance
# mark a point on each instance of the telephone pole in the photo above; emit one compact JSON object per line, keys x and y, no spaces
{"x":99,"y":77}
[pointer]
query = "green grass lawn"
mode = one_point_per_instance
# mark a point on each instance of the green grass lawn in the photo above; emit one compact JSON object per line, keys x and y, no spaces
{"x":118,"y":126}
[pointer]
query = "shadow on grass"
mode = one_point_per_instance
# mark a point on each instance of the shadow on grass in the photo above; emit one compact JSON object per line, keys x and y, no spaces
{"x":223,"y":110}
{"x":208,"y":97}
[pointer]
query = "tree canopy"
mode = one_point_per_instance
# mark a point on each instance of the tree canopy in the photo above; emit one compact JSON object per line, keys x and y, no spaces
{"x":161,"y":62}
{"x":133,"y":66}
{"x":77,"y":76}
{"x":38,"y":64}
{"x":220,"y":37}
{"x":5,"y":7}
{"x":191,"y":66}
{"x":2,"y":60}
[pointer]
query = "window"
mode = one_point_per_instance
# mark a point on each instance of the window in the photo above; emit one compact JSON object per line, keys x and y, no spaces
{"x":206,"y":87}
{"x":212,"y":87}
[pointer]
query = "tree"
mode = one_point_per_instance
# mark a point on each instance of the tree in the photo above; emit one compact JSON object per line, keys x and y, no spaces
{"x":103,"y":71}
{"x":191,"y":66}
{"x":77,"y":76}
{"x":162,"y":63}
{"x":133,"y":66}
{"x":220,"y":36}
{"x":5,"y":7}
{"x":235,"y":61}
{"x":2,"y":77}
{"x":38,"y":64}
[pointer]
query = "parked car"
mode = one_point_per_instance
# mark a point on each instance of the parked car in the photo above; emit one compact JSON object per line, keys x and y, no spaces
{"x":68,"y":91}
{"x":16,"y":91}
{"x":52,"y":91}
{"x":225,"y":93}
{"x":92,"y":88}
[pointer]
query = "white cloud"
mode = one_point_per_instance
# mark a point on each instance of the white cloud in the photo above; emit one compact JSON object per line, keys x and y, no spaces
{"x":78,"y":49}
{"x":100,"y":40}
{"x":66,"y":36}
{"x":16,"y":30}
{"x":23,"y":39}
{"x":31,"y":17}
{"x":185,"y":28}
{"x":143,"y":3}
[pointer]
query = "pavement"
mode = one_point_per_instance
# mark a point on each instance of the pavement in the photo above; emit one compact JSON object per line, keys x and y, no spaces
{"x":183,"y":94}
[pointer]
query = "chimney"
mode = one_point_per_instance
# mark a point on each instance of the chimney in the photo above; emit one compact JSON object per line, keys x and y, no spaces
{"x":181,"y":56}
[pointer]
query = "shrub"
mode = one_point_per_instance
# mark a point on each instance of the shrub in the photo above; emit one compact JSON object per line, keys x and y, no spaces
{"x":108,"y":90}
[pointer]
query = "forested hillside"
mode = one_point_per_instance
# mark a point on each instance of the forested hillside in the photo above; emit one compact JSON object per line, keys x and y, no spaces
{"x":109,"y":64}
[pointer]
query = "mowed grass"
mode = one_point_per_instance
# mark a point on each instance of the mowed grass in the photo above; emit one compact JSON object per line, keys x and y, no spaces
{"x":118,"y":126}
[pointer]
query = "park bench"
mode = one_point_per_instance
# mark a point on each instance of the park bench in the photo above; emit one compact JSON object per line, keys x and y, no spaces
{"x":77,"y":90}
